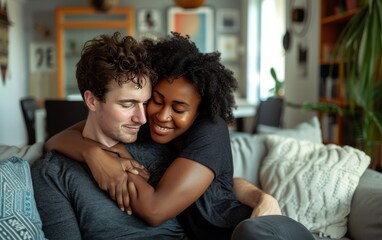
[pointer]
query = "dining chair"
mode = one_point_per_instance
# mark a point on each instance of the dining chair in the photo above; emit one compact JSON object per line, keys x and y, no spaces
{"x":28,"y":107}
{"x":61,"y":114}
{"x":269,"y":113}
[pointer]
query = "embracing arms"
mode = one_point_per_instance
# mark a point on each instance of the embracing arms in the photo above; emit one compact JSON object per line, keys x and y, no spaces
{"x":182,"y":184}
{"x":108,"y":171}
{"x":110,"y":174}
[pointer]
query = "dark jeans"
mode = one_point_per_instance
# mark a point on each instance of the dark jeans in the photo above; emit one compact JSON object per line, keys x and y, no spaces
{"x":72,"y":206}
{"x":271,"y":228}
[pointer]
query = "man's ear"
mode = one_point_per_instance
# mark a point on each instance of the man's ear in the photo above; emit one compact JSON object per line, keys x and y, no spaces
{"x":90,"y":100}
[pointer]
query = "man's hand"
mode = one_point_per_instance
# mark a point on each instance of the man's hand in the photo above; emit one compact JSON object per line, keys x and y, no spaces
{"x":252,"y":196}
{"x":268,"y":205}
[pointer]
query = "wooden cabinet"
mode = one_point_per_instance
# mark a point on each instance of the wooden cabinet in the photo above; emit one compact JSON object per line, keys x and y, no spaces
{"x":76,"y":25}
{"x":332,"y":85}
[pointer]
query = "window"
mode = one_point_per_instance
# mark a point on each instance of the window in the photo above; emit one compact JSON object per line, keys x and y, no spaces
{"x":264,"y":46}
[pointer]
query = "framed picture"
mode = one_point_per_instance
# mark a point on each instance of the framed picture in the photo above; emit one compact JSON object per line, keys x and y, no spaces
{"x":228,"y":47}
{"x":149,"y":20}
{"x":198,"y":23}
{"x":228,"y":20}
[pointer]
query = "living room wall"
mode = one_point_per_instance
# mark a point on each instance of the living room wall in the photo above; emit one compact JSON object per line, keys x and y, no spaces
{"x":301,"y":62}
{"x":25,"y":14}
{"x":33,"y":21}
{"x":12,"y":130}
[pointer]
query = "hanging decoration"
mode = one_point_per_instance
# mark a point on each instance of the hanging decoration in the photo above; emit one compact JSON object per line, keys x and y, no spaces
{"x":103,"y":5}
{"x":189,"y":3}
{"x":4,"y":25}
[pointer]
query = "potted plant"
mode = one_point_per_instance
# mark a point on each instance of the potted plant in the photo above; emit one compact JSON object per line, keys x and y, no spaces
{"x":360,"y":47}
{"x":278,"y":89}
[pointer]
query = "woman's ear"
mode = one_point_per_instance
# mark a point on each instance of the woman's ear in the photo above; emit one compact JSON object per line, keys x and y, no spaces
{"x":90,"y":100}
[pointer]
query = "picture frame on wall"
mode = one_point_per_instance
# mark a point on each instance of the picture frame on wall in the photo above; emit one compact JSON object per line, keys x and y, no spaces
{"x":149,"y":20}
{"x":228,"y":20}
{"x":228,"y":47}
{"x":198,"y":23}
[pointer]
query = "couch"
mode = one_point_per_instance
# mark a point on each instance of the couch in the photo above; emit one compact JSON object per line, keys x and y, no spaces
{"x":314,"y":194}
{"x":328,"y":188}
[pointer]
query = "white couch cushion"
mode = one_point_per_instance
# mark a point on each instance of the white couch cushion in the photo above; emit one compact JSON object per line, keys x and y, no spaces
{"x":29,"y":153}
{"x":249,"y":150}
{"x":314,"y":183}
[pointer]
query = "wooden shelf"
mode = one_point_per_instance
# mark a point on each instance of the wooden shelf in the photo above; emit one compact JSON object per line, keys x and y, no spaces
{"x":343,"y":17}
{"x":341,"y":102}
{"x":335,"y":14}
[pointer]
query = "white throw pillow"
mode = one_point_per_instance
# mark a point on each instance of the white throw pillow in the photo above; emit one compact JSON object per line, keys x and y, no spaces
{"x":309,"y":130}
{"x":249,"y":150}
{"x":314,"y":183}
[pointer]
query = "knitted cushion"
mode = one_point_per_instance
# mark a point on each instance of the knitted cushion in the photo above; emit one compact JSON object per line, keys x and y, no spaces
{"x":314,"y":183}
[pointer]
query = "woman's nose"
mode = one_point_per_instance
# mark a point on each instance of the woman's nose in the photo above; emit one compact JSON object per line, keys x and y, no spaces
{"x":164,"y":115}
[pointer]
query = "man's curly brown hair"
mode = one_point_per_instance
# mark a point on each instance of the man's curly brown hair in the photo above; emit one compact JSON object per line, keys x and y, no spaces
{"x":112,"y":58}
{"x":176,"y":56}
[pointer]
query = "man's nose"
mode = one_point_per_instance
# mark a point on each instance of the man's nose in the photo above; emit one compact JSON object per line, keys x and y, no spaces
{"x":140,"y":114}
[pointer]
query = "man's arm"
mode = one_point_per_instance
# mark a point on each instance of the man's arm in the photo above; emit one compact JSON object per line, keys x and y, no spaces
{"x":250,"y":195}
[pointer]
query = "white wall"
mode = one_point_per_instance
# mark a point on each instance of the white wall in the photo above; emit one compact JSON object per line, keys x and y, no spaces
{"x":300,"y":86}
{"x":25,"y":14}
{"x":12,"y":129}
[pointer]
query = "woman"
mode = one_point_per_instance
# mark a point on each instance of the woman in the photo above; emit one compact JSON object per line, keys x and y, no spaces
{"x":189,"y":111}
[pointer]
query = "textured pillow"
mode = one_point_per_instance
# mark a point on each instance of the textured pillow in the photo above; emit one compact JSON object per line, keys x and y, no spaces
{"x":249,"y":150}
{"x":19,"y":218}
{"x":314,"y":183}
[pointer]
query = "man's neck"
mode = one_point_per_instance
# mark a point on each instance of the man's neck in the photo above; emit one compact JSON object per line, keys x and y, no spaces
{"x":93,"y":132}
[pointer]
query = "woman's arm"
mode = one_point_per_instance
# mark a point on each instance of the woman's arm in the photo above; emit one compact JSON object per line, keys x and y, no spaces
{"x":261,"y":202}
{"x":66,"y":142}
{"x":182,"y":184}
{"x":108,"y":170}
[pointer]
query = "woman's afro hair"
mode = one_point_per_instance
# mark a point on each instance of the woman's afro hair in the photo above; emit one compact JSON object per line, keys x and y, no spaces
{"x":177,"y":56}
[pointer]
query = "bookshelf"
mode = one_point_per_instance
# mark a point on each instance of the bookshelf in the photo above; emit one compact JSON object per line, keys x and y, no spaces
{"x":335,"y":14}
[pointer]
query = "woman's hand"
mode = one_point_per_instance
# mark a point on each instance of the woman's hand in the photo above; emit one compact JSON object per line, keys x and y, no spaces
{"x":129,"y":164}
{"x":110,"y":172}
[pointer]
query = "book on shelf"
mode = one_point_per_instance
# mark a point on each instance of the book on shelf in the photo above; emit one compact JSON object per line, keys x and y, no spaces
{"x":330,"y":129}
{"x":329,"y":87}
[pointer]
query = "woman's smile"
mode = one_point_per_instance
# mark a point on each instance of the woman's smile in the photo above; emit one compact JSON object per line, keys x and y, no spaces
{"x":161,"y":130}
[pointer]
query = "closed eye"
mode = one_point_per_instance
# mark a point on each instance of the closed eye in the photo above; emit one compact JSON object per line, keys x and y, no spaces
{"x":128,"y":105}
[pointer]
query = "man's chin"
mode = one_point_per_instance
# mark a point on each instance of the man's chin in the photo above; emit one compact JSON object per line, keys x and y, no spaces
{"x":129,"y":139}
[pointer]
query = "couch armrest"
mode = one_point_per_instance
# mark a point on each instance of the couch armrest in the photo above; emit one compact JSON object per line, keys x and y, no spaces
{"x":365,"y":218}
